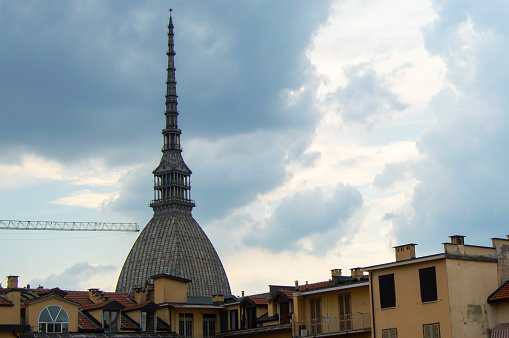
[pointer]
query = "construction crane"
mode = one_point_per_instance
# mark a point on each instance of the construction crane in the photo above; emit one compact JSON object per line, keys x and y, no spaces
{"x":68,"y":226}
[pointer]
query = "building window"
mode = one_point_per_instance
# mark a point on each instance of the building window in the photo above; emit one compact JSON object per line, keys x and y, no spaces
{"x":250,"y":317}
{"x":284,"y":313}
{"x":147,"y":321}
{"x":234,"y":320}
{"x":209,"y":326}
{"x":428,"y":280}
{"x":387,"y":291}
{"x":224,"y":321}
{"x":315,"y":305}
{"x":431,"y":330}
{"x":390,"y":333}
{"x":345,"y":312}
{"x":111,"y":321}
{"x":186,"y":325}
{"x":53,"y":319}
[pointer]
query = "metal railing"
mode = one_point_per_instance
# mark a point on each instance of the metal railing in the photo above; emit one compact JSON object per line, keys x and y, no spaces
{"x":328,"y":325}
{"x":172,"y":199}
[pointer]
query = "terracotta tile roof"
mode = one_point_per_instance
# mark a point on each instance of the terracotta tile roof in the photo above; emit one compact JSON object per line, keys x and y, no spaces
{"x":123,"y":298}
{"x":126,"y":324}
{"x":85,"y":324}
{"x":287,"y":293}
{"x":5,"y":302}
{"x":259,"y":300}
{"x":109,"y":304}
{"x":80,"y":297}
{"x":500,"y":295}
{"x":144,"y":306}
{"x":315,"y":285}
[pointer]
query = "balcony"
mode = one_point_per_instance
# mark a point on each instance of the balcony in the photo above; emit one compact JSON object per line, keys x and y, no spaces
{"x":170,"y":147}
{"x":325,"y":326}
{"x":172,"y":200}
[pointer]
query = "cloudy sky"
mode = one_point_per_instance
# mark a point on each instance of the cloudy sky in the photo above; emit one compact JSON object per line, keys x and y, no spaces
{"x":320,"y":134}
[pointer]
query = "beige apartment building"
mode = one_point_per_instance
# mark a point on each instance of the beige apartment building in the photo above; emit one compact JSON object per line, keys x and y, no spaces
{"x":443,"y":295}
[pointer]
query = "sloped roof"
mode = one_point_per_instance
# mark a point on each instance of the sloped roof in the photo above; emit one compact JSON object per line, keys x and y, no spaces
{"x":108,"y":305}
{"x":142,"y":306}
{"x":5,"y":302}
{"x":282,"y":295}
{"x":88,"y":324}
{"x":255,"y":300}
{"x":81,"y":297}
{"x":313,"y":286}
{"x":500,"y":295}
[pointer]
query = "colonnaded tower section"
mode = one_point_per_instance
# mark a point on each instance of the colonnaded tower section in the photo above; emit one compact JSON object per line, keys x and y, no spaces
{"x":173,"y":242}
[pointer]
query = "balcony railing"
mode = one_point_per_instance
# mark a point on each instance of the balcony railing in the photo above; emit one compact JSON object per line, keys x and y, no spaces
{"x":172,"y":146}
{"x":358,"y":322}
{"x":172,"y":199}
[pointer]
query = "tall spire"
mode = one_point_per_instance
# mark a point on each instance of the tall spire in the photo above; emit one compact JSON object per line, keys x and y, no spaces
{"x":173,"y":242}
{"x":172,"y":177}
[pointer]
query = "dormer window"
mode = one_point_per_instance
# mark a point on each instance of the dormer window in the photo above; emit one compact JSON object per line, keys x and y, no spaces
{"x":53,"y":319}
{"x":147,"y":321}
{"x":111,"y":321}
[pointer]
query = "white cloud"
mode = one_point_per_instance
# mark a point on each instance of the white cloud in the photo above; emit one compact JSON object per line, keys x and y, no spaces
{"x":81,"y":276}
{"x":88,"y":199}
{"x":386,"y":37}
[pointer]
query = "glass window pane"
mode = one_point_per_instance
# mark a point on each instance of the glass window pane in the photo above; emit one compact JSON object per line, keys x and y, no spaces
{"x":53,"y":311}
{"x":44,"y":316}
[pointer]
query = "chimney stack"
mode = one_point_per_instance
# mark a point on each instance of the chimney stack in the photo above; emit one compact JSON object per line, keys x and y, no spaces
{"x":12,"y":282}
{"x":356,"y":273}
{"x":404,"y":252}
{"x":457,"y":239}
{"x":217,"y":299}
{"x":335,"y":272}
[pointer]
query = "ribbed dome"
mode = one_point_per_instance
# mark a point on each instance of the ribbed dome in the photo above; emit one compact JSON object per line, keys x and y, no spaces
{"x":174,"y":243}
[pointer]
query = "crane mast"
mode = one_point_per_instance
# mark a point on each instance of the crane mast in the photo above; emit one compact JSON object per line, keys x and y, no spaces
{"x":68,"y":226}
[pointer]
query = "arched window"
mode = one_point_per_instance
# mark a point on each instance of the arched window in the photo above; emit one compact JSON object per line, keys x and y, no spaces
{"x":53,"y":319}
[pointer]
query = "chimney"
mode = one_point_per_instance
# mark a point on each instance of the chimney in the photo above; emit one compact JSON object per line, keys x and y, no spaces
{"x":404,"y":252}
{"x":140,"y":295}
{"x":296,"y":285}
{"x":457,"y":239}
{"x":307,"y":285}
{"x":217,"y":299}
{"x":356,"y":273}
{"x":242,"y":293}
{"x":335,"y":272}
{"x":12,"y":282}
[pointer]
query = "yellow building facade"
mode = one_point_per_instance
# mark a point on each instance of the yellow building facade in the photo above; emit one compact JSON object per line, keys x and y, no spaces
{"x":443,"y":295}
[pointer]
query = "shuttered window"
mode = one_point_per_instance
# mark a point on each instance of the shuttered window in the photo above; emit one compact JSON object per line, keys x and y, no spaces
{"x":387,"y":291}
{"x":315,"y":305}
{"x":390,"y":333}
{"x":345,"y":311}
{"x":431,"y":330}
{"x":428,"y":280}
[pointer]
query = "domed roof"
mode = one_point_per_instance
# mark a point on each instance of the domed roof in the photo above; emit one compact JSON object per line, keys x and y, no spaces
{"x":174,"y":243}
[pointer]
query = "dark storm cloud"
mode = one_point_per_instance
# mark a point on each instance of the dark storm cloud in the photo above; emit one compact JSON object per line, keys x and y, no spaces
{"x":239,"y":57}
{"x":87,"y":80}
{"x":71,"y":85}
{"x":304,"y":214}
{"x":463,"y":181}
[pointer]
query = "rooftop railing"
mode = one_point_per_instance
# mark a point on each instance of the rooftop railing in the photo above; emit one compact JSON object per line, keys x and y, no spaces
{"x":357,"y":322}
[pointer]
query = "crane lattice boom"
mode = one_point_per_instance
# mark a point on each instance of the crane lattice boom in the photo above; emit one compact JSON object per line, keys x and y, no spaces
{"x":67,"y":226}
